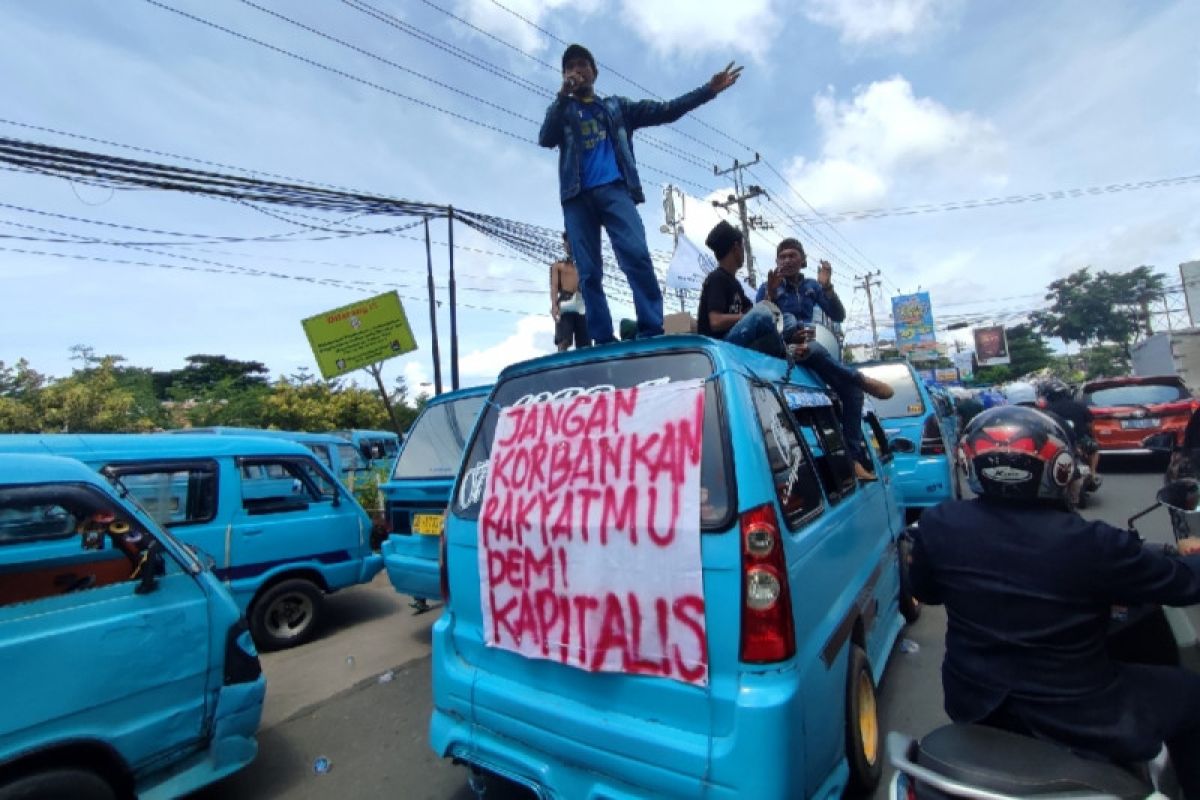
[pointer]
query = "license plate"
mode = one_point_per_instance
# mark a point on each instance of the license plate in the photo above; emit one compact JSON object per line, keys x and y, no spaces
{"x":427,"y":524}
{"x":1138,"y":424}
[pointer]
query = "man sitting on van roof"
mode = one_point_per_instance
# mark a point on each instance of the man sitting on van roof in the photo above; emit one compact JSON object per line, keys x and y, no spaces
{"x":726,"y":313}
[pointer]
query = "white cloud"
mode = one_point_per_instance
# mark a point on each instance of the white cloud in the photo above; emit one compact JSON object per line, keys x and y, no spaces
{"x":895,"y":22}
{"x":886,"y":132}
{"x":505,"y":25}
{"x":691,"y":26}
{"x":533,"y":337}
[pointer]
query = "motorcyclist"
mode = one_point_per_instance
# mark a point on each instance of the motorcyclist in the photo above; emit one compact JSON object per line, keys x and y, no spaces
{"x":1028,"y":588}
{"x":1060,"y":403}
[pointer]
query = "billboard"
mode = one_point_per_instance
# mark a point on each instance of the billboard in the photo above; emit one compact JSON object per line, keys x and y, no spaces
{"x":351,"y":337}
{"x":1189,"y":275}
{"x":912,"y":316}
{"x":946,"y":374}
{"x":991,"y":346}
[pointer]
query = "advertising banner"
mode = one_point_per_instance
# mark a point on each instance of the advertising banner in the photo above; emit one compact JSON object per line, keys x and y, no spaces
{"x":589,"y":533}
{"x":991,"y":346}
{"x":912,"y":316}
{"x":355,"y":336}
{"x":946,"y":374}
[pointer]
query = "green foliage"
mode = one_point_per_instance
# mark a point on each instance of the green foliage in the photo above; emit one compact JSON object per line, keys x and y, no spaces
{"x":1104,"y":361}
{"x":104,"y":395}
{"x":1095,"y":309}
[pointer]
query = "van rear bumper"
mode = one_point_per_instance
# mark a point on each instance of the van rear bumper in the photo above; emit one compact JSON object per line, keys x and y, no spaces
{"x":371,"y":565}
{"x":409,"y":566}
{"x":232,"y":746}
{"x":561,"y":749}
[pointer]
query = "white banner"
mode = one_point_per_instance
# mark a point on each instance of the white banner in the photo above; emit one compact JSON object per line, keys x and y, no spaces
{"x":689,"y":265}
{"x":589,"y":534}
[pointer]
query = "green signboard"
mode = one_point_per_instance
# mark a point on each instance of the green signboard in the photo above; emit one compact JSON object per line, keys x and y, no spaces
{"x":360,"y":334}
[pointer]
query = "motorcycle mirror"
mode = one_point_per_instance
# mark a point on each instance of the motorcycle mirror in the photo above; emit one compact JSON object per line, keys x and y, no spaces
{"x":1181,"y":495}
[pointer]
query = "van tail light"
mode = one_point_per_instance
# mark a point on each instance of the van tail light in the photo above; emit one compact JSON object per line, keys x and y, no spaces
{"x":931,"y":438}
{"x":443,"y":568}
{"x":768,"y":634}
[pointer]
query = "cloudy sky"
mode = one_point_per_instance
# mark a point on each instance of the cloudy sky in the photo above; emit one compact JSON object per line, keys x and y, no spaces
{"x":852,"y":105}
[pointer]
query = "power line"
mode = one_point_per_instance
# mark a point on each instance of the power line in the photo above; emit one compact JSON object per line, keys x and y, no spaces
{"x":1058,"y":194}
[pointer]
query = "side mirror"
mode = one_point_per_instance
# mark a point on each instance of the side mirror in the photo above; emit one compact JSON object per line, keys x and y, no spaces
{"x":901,"y":444}
{"x":150,"y":568}
{"x":1181,"y":495}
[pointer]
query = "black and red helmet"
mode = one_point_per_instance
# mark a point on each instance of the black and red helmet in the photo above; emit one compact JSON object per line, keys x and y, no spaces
{"x":1017,"y":453}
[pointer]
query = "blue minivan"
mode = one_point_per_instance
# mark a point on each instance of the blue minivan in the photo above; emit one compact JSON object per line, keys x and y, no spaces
{"x":922,"y":431}
{"x":338,"y":455}
{"x":377,"y":448}
{"x":416,"y":496}
{"x":280,"y":531}
{"x":769,"y":691}
{"x":129,"y":670}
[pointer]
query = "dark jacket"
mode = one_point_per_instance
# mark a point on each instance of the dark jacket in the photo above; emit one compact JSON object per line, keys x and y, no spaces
{"x":624,"y":116}
{"x":1028,"y":594}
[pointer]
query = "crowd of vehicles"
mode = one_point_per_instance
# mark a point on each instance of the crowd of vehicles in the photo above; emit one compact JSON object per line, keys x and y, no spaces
{"x":221,"y":544}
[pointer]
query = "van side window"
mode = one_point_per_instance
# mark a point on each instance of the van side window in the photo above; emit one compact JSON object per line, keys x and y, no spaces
{"x":823,"y":434}
{"x":274,"y":486}
{"x":63,"y":538}
{"x":791,"y":470}
{"x":173,"y":494}
{"x":322,"y":453}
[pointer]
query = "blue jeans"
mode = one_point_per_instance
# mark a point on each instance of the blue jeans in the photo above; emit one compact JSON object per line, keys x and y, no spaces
{"x":756,"y":331}
{"x":611,"y":207}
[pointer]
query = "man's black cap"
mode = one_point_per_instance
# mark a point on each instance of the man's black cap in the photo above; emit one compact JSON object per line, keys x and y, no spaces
{"x":722,"y":238}
{"x":578,"y":51}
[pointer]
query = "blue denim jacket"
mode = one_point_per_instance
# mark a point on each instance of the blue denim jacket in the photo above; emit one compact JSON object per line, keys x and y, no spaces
{"x":798,"y":299}
{"x":624,"y":116}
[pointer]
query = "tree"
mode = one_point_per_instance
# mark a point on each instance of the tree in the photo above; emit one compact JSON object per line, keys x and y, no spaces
{"x":91,"y":400}
{"x":206,"y":371}
{"x":1102,"y":308}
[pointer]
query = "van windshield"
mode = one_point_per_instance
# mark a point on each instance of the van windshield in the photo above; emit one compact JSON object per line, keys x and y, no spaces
{"x":906,"y":402}
{"x":435,"y":442}
{"x":716,"y":493}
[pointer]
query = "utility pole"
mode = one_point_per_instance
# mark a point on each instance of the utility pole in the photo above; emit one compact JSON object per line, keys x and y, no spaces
{"x":871,"y":279}
{"x":742,"y":193}
{"x":673,"y":221}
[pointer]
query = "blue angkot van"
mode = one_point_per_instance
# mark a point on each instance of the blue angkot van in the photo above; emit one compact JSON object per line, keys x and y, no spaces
{"x":764,"y":685}
{"x":922,"y":432}
{"x":129,"y":669}
{"x":376,"y":448}
{"x":338,"y":455}
{"x":279,"y":529}
{"x":418,"y":492}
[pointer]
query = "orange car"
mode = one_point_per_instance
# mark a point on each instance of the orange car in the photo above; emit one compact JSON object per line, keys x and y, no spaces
{"x":1127,"y":411}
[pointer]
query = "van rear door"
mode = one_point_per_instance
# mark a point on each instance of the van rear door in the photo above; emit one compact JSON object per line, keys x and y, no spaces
{"x":634,"y":716}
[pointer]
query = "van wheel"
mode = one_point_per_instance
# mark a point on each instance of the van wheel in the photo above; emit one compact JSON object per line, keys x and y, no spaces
{"x":910,"y":607}
{"x":286,"y":614}
{"x":862,"y":726}
{"x":54,"y":784}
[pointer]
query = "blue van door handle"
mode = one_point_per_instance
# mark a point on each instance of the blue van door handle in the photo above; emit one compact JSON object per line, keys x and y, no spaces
{"x":252,"y":531}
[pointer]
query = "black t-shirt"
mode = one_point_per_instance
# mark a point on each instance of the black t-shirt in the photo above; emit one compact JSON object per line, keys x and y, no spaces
{"x":723,"y":294}
{"x":1075,"y":413}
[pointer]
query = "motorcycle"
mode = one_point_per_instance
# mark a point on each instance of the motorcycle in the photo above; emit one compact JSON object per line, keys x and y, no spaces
{"x":976,"y":761}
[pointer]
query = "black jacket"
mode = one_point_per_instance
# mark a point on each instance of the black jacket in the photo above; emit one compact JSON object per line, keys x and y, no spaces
{"x":1028,"y":594}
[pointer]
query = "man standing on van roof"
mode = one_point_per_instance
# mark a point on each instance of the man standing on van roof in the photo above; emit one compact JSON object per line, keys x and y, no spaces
{"x":725,"y":313}
{"x":599,"y":184}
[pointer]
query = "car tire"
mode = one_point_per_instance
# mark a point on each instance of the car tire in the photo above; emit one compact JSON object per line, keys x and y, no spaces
{"x":910,"y":606}
{"x":53,"y":784}
{"x":864,"y":753}
{"x":286,"y":614}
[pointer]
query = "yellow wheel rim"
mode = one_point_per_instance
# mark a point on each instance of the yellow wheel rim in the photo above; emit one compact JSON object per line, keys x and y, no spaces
{"x":868,"y":718}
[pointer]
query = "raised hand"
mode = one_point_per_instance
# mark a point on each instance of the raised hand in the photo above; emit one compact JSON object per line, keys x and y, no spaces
{"x":725,"y":78}
{"x":825,"y":274}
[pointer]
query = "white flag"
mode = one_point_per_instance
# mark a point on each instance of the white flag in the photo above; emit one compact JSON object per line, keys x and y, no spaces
{"x":689,"y":265}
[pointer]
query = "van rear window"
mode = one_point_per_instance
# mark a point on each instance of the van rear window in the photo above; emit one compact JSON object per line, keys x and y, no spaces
{"x":906,"y":402}
{"x":716,"y":491}
{"x":435,"y":443}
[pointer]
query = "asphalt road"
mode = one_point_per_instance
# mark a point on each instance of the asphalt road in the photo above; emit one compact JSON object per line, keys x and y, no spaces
{"x":359,"y":696}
